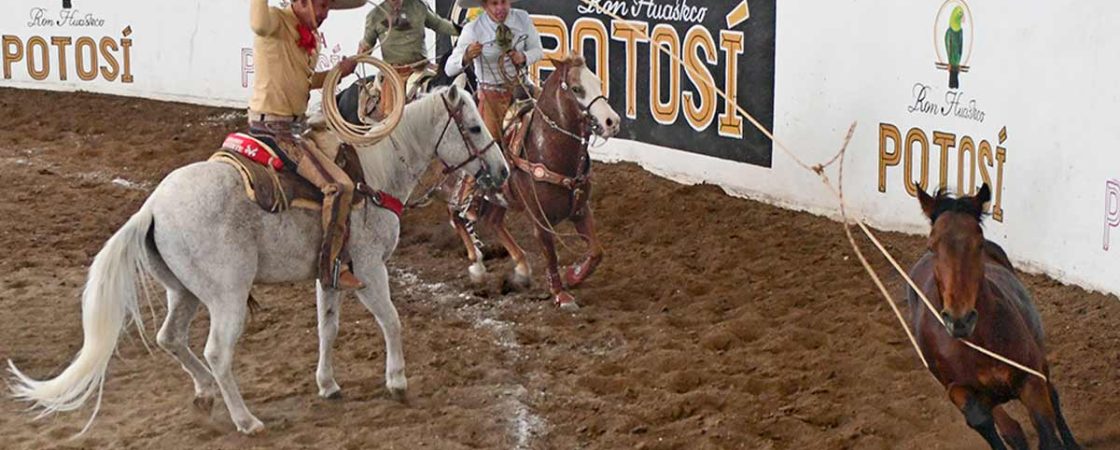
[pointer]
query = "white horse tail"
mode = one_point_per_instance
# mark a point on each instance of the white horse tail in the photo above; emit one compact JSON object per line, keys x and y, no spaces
{"x":110,"y":297}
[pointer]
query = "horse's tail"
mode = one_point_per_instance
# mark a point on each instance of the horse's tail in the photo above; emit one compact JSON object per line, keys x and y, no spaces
{"x":111,"y":296}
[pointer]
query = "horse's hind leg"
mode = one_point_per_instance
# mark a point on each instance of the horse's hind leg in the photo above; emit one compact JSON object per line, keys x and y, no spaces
{"x":227,"y":319}
{"x":585,"y":226}
{"x":1035,"y":395}
{"x":522,"y":272}
{"x":1063,"y":427}
{"x":1009,"y":429}
{"x":174,"y":337}
{"x":477,"y":269}
{"x":977,"y":414}
{"x":328,"y":308}
{"x":375,"y":297}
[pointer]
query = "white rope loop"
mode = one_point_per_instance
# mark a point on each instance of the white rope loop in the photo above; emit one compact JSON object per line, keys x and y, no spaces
{"x":364,"y":135}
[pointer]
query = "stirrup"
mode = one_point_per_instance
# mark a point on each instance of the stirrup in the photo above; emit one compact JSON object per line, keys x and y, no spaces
{"x":336,"y":275}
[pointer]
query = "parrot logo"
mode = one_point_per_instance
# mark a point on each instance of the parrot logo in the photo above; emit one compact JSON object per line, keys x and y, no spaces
{"x":952,"y":38}
{"x":954,"y":44}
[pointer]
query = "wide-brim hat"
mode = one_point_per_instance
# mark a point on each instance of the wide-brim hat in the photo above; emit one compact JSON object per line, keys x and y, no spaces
{"x":475,"y":3}
{"x":347,"y":4}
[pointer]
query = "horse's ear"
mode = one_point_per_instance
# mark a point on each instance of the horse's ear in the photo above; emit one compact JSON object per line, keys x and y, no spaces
{"x":928,"y":202}
{"x":983,"y":197}
{"x":453,"y":95}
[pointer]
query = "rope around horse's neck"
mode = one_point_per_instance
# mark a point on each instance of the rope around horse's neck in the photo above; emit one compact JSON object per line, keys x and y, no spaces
{"x":839,"y":194}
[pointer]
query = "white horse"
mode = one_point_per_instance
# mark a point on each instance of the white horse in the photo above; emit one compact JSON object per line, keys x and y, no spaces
{"x":201,"y":238}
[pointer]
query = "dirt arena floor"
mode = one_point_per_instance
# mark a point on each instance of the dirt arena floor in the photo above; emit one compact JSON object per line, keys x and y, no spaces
{"x":714,"y":322}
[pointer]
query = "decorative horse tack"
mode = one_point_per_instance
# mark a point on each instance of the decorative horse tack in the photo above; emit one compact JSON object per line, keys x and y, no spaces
{"x":275,"y":189}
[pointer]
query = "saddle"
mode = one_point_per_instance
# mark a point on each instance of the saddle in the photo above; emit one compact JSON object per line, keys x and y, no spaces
{"x":415,"y":83}
{"x":269,"y":177}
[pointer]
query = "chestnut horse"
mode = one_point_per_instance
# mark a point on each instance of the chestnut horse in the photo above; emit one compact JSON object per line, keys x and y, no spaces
{"x":551,"y":177}
{"x":980,"y":298}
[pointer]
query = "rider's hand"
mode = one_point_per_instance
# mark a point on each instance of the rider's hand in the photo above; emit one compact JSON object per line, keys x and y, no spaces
{"x":473,"y":51}
{"x":517,"y":58}
{"x":347,"y":66}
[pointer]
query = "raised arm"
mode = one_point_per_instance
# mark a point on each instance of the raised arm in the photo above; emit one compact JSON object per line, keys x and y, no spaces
{"x":262,"y":19}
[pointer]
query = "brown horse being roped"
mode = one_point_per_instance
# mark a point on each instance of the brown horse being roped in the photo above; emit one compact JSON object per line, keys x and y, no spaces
{"x":551,"y":177}
{"x":980,"y":298}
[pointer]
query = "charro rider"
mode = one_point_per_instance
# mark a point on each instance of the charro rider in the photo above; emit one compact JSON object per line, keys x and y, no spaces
{"x":499,"y":43}
{"x":399,"y":25}
{"x":286,"y":50}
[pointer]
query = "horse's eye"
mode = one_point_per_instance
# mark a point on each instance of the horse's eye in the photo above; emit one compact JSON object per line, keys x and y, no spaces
{"x":578,"y":90}
{"x":475,"y":129}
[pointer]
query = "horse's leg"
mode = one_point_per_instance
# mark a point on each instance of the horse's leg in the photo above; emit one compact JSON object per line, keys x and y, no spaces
{"x":548,"y":245}
{"x":585,"y":226}
{"x":1035,"y":395}
{"x":1009,"y":429}
{"x":327,"y":305}
{"x":1063,"y":427}
{"x":522,"y":273}
{"x":227,"y":319}
{"x":977,"y":414}
{"x":376,"y":298}
{"x":174,"y":337}
{"x":477,"y":269}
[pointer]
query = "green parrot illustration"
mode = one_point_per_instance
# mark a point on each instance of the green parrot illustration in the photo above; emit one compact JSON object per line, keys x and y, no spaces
{"x":954,"y":43}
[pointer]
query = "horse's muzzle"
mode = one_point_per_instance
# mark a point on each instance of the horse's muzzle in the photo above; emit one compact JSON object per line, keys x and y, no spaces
{"x":962,"y":327}
{"x":488,"y":182}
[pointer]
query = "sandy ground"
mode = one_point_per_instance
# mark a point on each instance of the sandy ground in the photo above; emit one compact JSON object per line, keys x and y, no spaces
{"x":714,"y":322}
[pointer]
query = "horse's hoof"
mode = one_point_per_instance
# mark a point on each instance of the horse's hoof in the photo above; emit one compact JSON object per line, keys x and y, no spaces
{"x":397,"y":385}
{"x":519,"y":282}
{"x":203,"y":404}
{"x":254,"y":427}
{"x":574,"y":276}
{"x":579,"y":272}
{"x":331,"y":394}
{"x":565,"y":301}
{"x":399,"y":395}
{"x":477,"y":272}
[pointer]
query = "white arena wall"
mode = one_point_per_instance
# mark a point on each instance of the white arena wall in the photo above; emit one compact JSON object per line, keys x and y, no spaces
{"x":1034,"y":114}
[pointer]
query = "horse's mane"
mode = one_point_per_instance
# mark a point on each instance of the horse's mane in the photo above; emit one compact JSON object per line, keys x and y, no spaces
{"x":944,"y":202}
{"x":383,"y":157}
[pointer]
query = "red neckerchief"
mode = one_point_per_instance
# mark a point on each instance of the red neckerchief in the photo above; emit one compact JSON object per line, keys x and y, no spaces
{"x":307,"y":39}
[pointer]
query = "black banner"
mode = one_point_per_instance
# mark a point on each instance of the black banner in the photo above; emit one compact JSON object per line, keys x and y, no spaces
{"x":671,"y":106}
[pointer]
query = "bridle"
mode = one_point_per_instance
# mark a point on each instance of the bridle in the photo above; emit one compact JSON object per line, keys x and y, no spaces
{"x":588,"y":124}
{"x":456,"y":115}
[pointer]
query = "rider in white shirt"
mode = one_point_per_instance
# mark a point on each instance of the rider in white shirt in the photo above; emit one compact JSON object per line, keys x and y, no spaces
{"x":483,"y":42}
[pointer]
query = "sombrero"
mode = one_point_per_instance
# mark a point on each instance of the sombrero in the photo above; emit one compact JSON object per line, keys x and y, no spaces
{"x":473,"y":3}
{"x":347,"y":4}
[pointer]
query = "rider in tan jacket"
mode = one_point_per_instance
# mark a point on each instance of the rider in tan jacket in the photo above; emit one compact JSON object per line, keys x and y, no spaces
{"x":286,"y":50}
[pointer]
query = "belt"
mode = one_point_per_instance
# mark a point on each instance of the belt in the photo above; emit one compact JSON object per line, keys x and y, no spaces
{"x":412,"y":66}
{"x":494,"y":88}
{"x":262,"y":117}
